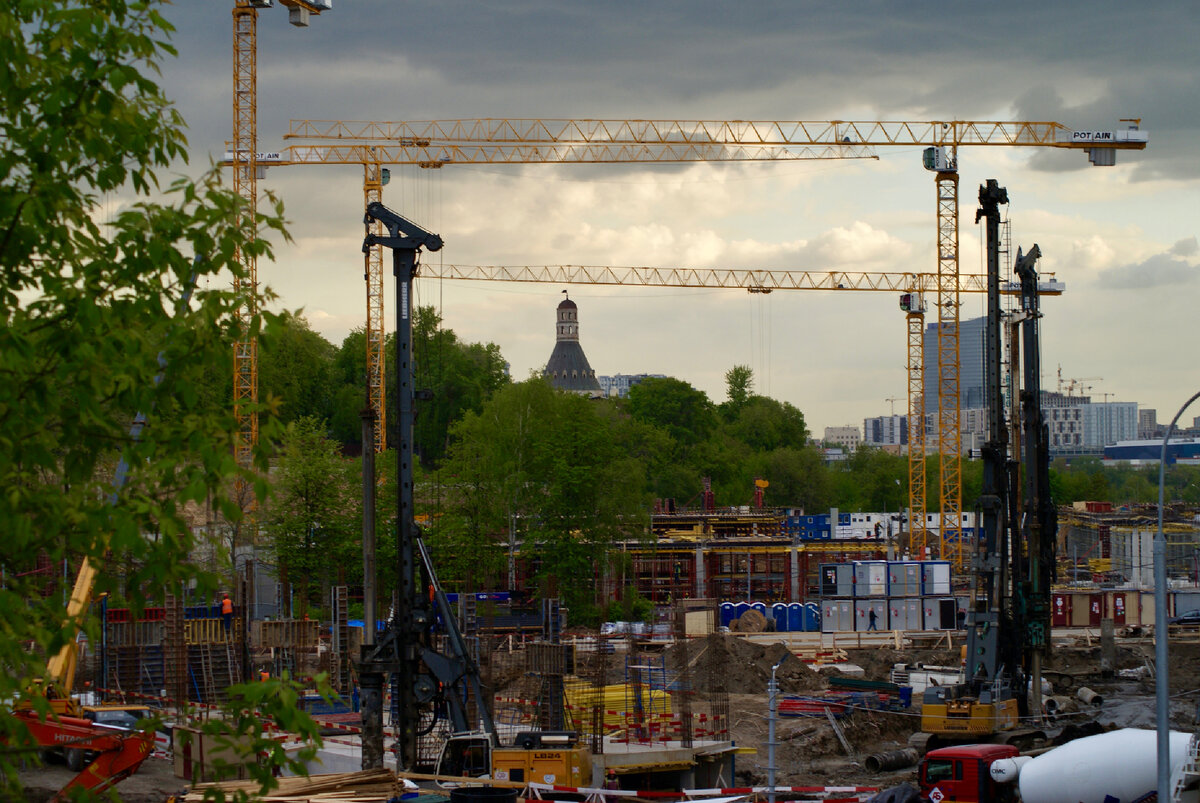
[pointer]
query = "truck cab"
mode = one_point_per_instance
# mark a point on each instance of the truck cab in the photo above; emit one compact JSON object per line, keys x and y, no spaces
{"x":960,"y":774}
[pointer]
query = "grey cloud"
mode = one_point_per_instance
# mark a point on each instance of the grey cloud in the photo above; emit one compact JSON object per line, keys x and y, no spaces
{"x":1185,"y":248}
{"x":1160,"y":270}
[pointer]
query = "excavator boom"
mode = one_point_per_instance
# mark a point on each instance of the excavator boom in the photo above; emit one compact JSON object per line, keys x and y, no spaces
{"x":119,"y":753}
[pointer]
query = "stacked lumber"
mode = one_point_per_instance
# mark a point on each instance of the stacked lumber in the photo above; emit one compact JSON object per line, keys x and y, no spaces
{"x":366,"y":786}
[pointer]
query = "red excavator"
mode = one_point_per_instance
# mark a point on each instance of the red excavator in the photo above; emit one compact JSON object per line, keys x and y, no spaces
{"x":116,"y":751}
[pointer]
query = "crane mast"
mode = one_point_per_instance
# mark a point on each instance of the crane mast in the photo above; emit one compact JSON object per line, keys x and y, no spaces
{"x":245,"y":186}
{"x":245,"y":163}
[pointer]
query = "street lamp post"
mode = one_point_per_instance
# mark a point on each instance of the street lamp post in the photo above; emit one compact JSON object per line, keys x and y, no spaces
{"x":1162,"y":694}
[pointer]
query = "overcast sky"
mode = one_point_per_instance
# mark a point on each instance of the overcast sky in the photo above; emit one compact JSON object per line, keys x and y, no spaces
{"x":1123,"y":239}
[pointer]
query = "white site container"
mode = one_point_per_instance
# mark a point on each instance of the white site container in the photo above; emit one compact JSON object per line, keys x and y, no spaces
{"x":870,"y":578}
{"x":837,"y":615}
{"x":941,"y":613}
{"x":905,"y":613}
{"x":862,"y":614}
{"x":935,"y":578}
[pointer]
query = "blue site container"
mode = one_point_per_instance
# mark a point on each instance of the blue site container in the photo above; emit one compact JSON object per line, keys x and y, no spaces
{"x":728,"y":613}
{"x":779,"y":612}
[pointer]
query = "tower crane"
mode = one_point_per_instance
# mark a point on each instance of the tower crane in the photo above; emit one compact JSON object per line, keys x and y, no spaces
{"x":423,"y":153}
{"x":244,"y":159}
{"x":913,"y":285}
{"x":472,"y":140}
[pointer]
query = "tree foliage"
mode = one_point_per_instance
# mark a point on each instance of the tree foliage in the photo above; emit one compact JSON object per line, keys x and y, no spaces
{"x":94,"y":330}
{"x":547,"y":465}
{"x":739,"y":386}
{"x":314,"y":514}
{"x":296,"y":371}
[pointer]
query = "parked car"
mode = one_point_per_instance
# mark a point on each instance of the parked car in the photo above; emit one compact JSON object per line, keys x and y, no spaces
{"x":1189,"y":618}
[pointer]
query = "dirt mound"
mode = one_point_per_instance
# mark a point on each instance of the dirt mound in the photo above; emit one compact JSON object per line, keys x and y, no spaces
{"x":808,"y":748}
{"x":721,"y":663}
{"x":877,"y":663}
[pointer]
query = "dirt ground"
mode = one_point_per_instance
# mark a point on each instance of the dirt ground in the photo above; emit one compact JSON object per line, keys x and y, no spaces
{"x":808,"y":751}
{"x":154,"y":782}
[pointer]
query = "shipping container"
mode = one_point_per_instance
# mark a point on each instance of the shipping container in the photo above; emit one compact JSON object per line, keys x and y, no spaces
{"x":837,"y":580}
{"x":1081,"y":606}
{"x":1095,"y":609}
{"x":904,"y":578}
{"x":1060,"y":610}
{"x":904,"y":613}
{"x":1117,"y":608}
{"x":870,"y":578}
{"x":863,"y":608}
{"x":1185,"y":602}
{"x":935,"y":578}
{"x":837,"y":615}
{"x":940,"y":613}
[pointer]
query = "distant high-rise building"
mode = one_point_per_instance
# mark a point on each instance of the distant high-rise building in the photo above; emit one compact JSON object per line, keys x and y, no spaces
{"x":846,"y":437}
{"x":1087,"y":428}
{"x":1147,"y":423}
{"x":971,"y":393}
{"x":886,"y":430}
{"x":568,"y":367}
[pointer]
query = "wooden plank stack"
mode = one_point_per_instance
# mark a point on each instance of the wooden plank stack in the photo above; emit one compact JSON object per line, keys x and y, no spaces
{"x":366,"y":786}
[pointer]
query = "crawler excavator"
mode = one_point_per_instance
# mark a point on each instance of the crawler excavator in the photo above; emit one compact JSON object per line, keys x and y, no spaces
{"x":1008,"y":620}
{"x":94,"y":745}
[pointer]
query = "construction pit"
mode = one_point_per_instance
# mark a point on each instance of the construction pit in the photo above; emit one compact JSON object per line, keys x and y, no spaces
{"x":728,"y":677}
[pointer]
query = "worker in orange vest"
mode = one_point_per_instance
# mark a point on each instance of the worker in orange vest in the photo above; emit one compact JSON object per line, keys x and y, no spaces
{"x":227,"y":612}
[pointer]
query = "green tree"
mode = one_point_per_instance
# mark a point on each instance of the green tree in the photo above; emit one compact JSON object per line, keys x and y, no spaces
{"x":295,"y":371}
{"x":89,"y":305}
{"x":765,"y":424}
{"x":739,"y":386}
{"x":685,"y":413}
{"x":546,"y":463}
{"x":798,"y":478}
{"x":312,"y":518}
{"x":460,"y":377}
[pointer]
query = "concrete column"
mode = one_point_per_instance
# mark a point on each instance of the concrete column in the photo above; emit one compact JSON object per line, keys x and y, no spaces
{"x":794,"y":591}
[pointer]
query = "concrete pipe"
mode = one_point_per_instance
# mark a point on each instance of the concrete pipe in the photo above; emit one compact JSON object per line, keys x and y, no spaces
{"x":1059,"y":705}
{"x":893,"y":760}
{"x":1089,"y":697}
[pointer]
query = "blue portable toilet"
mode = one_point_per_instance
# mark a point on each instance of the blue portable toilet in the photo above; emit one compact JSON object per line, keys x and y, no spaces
{"x":727,"y":613}
{"x":779,"y":612}
{"x":795,"y":617}
{"x":739,"y":609}
{"x":812,"y":617}
{"x":761,"y":607}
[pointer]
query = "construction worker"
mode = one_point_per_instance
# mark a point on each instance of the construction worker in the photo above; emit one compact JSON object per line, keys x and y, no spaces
{"x":610,"y":780}
{"x":227,"y":612}
{"x":871,"y":619}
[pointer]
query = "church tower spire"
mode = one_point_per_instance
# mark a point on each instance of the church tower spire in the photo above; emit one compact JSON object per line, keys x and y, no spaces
{"x":568,"y":367}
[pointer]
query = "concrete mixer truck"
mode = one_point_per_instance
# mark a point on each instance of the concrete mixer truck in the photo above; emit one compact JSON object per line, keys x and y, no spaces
{"x":1115,"y":767}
